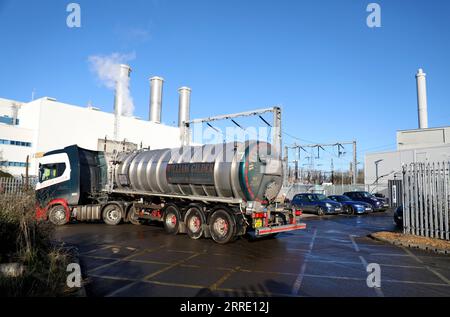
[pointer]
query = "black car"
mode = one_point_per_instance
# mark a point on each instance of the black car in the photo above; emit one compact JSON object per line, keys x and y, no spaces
{"x":367,"y":197}
{"x":398,"y":217}
{"x":383,"y":198}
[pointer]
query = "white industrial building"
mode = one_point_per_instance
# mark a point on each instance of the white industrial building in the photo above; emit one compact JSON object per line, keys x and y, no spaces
{"x":28,"y":129}
{"x":417,"y":145}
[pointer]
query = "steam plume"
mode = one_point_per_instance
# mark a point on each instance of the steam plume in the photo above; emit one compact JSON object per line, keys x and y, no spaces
{"x":107,"y":70}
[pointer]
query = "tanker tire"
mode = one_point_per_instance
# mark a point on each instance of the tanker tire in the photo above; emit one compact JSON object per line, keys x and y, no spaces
{"x":57,"y":215}
{"x":222,"y":227}
{"x":112,"y":215}
{"x":171,"y":220}
{"x":194,"y":223}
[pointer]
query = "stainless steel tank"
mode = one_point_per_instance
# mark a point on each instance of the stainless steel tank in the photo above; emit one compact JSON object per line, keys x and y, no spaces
{"x":249,"y":171}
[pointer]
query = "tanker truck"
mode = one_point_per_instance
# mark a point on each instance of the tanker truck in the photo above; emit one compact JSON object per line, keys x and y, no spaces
{"x":219,"y":191}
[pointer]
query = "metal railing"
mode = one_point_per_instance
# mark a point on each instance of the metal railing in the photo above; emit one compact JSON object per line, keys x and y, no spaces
{"x":16,"y":186}
{"x":426,"y":199}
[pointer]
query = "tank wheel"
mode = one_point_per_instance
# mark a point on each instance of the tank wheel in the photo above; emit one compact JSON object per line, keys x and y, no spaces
{"x":112,"y":214}
{"x":57,"y":215}
{"x":194,"y":223}
{"x":222,"y":226}
{"x":171,"y":220}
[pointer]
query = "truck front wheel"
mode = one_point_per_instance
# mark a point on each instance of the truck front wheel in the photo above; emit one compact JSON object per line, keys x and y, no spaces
{"x":112,"y":214}
{"x":221,"y":226}
{"x":57,"y":215}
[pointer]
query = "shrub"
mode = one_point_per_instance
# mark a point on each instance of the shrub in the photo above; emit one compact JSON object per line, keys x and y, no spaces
{"x":29,"y":242}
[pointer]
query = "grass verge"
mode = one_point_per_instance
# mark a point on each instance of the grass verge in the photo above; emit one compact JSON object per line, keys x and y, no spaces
{"x":412,"y":241}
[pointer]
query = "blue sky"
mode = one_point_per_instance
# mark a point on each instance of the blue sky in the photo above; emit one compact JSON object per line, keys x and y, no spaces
{"x":336,"y":78}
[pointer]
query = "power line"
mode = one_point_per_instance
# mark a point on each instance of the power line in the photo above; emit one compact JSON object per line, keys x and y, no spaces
{"x":299,"y":139}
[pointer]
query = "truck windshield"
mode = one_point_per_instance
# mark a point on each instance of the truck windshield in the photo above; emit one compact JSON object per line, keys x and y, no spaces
{"x":50,"y":171}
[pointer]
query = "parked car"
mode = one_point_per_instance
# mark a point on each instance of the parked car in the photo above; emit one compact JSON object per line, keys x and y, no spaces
{"x":316,"y":203}
{"x":350,"y":206}
{"x":398,"y":217}
{"x":367,"y":197}
{"x":383,"y":198}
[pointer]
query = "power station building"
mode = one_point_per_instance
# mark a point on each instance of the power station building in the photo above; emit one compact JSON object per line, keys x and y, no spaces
{"x":417,"y":145}
{"x":29,"y":129}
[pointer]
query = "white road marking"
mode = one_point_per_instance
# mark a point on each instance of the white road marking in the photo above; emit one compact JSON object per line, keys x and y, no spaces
{"x":355,"y":246}
{"x":365,"y":264}
{"x":299,"y":279}
{"x":439,"y":275}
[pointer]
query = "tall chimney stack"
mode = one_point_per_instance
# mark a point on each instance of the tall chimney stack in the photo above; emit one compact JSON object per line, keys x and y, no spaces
{"x":156,"y":89}
{"x":119,"y":98}
{"x":422,"y":106}
{"x":183,"y":114}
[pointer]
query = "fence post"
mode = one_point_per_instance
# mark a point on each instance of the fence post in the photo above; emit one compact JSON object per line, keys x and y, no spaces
{"x":405,"y":199}
{"x":446,"y":199}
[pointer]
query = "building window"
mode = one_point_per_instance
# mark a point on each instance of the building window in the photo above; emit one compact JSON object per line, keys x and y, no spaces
{"x":12,"y":164}
{"x":8,"y":120}
{"x":14,"y":142}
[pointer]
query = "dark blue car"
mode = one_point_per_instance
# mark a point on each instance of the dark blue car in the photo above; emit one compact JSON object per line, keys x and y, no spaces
{"x":367,"y":197}
{"x":350,"y":206}
{"x":316,"y":203}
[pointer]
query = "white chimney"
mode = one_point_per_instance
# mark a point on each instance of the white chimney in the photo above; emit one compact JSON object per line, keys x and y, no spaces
{"x":183,"y":113}
{"x":422,"y":106}
{"x":119,"y":99}
{"x":156,"y":90}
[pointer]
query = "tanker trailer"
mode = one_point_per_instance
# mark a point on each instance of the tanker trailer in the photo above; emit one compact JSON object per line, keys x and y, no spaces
{"x":218,"y":191}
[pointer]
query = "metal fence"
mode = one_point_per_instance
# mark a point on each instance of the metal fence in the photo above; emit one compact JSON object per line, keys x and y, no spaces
{"x":426,"y":199}
{"x":15,"y":186}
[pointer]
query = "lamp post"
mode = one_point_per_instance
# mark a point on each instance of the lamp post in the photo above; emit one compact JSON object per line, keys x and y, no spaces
{"x":376,"y":172}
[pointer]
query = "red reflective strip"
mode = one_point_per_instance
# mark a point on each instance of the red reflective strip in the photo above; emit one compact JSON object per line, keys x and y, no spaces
{"x":301,"y":226}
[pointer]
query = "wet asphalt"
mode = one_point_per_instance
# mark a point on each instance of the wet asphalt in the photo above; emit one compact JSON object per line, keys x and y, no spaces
{"x":329,"y":258}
